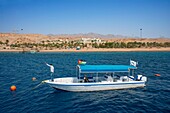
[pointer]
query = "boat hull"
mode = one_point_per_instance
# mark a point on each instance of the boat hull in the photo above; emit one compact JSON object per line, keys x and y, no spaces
{"x":98,"y":86}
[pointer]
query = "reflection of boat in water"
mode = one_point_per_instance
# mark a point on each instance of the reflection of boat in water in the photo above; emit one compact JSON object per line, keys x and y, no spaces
{"x":100,"y":77}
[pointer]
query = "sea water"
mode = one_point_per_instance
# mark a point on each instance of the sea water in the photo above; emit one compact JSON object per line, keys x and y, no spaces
{"x":18,"y":69}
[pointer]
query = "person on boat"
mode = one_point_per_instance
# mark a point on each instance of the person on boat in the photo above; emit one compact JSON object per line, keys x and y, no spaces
{"x":86,"y":79}
{"x":51,"y":70}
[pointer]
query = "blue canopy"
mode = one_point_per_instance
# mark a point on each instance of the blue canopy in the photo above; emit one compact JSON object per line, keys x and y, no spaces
{"x":104,"y":68}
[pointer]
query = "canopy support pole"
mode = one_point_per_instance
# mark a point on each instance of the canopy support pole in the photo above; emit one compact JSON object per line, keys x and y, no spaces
{"x":78,"y":77}
{"x":129,"y":72}
{"x":113,"y":76}
{"x":133,"y":72}
{"x":77,"y":74}
{"x":96,"y":77}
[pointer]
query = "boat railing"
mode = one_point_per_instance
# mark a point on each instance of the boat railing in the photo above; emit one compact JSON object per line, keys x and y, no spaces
{"x":90,"y":79}
{"x":109,"y":79}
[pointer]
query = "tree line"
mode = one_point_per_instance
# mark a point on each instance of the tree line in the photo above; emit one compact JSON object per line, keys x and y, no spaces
{"x":131,"y":45}
{"x":74,"y":44}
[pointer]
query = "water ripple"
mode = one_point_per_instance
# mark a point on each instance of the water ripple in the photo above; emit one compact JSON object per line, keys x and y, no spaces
{"x":18,"y":69}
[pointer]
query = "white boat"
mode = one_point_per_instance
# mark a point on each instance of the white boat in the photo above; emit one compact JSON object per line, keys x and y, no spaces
{"x":100,"y":77}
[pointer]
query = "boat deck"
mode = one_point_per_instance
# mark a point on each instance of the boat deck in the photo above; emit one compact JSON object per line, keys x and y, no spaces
{"x":93,"y":79}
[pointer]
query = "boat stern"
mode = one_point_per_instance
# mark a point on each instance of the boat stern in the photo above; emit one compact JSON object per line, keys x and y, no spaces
{"x":144,"y":78}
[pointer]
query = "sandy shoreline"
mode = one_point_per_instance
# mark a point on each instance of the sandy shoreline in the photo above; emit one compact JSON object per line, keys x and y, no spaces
{"x":98,"y":50}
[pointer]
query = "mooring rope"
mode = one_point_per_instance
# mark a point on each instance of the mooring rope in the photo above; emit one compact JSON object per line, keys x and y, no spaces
{"x":42,"y":82}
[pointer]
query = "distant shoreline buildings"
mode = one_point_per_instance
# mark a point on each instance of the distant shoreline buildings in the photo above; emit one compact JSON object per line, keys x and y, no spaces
{"x":44,"y":42}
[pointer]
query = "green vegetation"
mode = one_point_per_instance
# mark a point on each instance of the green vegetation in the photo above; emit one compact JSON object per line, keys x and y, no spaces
{"x":49,"y":45}
{"x":131,"y":45}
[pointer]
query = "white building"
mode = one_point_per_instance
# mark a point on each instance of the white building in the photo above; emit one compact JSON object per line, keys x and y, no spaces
{"x":90,"y":40}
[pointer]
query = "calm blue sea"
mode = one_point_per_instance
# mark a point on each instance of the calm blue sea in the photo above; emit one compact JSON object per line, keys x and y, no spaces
{"x":18,"y":69}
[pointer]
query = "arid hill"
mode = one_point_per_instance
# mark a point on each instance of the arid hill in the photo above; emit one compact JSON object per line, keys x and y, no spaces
{"x":37,"y":38}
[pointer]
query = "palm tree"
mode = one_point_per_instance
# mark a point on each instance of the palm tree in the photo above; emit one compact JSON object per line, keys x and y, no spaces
{"x":6,"y":42}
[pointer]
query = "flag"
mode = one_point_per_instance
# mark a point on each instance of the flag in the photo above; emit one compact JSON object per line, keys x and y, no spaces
{"x":81,"y":62}
{"x":133,"y":63}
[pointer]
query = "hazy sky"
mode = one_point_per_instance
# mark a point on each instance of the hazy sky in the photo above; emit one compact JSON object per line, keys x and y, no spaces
{"x":118,"y":17}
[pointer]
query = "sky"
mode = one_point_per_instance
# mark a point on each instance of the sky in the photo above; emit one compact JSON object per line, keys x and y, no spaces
{"x":149,"y":18}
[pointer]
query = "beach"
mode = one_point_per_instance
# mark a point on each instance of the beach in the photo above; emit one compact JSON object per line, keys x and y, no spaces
{"x":96,"y":50}
{"x":108,"y":50}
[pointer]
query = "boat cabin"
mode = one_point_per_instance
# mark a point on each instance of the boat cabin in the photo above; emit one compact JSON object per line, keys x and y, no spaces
{"x":101,"y":73}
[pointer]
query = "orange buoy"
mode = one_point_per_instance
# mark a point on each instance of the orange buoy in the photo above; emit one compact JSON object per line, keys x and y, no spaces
{"x":33,"y":78}
{"x":13,"y":88}
{"x":157,"y":75}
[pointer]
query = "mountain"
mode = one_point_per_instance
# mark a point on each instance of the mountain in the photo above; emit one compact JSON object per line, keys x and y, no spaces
{"x":87,"y":35}
{"x":12,"y":38}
